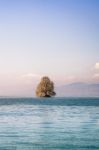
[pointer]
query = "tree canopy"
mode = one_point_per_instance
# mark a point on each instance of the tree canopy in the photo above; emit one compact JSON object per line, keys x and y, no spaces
{"x":45,"y":88}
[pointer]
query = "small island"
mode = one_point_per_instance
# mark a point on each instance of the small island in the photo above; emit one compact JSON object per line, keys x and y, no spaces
{"x":45,"y":88}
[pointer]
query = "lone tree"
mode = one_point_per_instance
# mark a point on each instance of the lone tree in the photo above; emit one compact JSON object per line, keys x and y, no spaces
{"x":45,"y":88}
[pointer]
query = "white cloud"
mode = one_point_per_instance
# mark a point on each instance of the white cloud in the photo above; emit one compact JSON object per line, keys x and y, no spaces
{"x":96,"y":75}
{"x":97,"y":65}
{"x":29,"y":79}
{"x":30,"y":75}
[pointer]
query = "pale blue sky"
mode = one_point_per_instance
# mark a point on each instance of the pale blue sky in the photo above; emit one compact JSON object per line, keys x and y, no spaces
{"x":58,"y":38}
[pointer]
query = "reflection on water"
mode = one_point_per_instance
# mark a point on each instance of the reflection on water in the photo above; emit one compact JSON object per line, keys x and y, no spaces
{"x":42,"y":127}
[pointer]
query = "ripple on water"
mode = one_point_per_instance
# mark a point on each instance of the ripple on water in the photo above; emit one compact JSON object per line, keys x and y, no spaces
{"x":44,"y":127}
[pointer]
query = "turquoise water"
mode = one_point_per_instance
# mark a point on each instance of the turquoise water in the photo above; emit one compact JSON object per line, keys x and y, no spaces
{"x":49,"y":124}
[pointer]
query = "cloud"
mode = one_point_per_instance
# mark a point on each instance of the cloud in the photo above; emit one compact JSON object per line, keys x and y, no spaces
{"x":29,"y":79}
{"x":96,"y":75}
{"x":30,"y":75}
{"x":97,"y":65}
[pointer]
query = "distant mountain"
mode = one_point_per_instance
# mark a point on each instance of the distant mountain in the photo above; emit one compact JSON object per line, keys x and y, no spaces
{"x":78,"y":89}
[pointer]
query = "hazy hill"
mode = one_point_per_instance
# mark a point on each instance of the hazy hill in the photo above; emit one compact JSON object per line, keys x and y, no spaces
{"x":78,"y":89}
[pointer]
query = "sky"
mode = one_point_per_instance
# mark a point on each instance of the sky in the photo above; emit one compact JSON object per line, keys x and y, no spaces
{"x":55,"y":38}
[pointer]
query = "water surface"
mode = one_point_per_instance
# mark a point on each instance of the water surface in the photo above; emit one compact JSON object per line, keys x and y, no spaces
{"x":53,"y":123}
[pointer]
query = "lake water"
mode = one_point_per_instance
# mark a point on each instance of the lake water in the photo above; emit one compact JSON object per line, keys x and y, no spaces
{"x":49,"y":124}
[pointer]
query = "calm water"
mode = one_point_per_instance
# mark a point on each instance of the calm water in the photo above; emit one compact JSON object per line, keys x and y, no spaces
{"x":44,"y":124}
